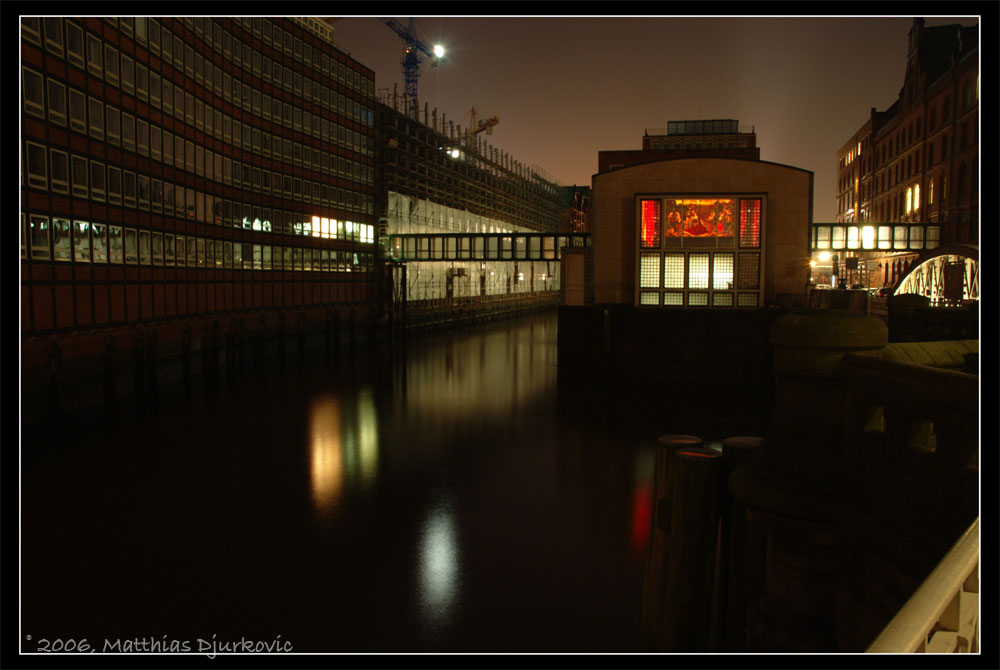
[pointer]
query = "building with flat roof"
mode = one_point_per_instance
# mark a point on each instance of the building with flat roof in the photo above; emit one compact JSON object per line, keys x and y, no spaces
{"x":189,"y":173}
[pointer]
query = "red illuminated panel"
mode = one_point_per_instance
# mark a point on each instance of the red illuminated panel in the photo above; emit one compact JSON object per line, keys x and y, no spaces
{"x":650,"y":223}
{"x":700,"y":217}
{"x":642,"y":514}
{"x":750,"y":223}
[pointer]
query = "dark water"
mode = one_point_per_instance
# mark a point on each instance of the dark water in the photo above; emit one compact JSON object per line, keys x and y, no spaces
{"x":457,"y":499}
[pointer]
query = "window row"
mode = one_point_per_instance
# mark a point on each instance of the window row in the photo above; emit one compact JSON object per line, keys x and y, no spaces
{"x":714,"y":271}
{"x":59,"y":172}
{"x":105,"y":122}
{"x":698,"y":299}
{"x":103,"y":60}
{"x":78,"y":241}
{"x":699,"y":221}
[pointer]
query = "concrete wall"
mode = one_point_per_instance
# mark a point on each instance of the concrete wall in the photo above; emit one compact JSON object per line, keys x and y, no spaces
{"x":787,"y":215}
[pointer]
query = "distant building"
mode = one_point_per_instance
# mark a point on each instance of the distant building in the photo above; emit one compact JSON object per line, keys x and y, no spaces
{"x":917,"y":161}
{"x":723,"y":138}
{"x":434,"y":178}
{"x":712,"y":224}
{"x":576,"y":218}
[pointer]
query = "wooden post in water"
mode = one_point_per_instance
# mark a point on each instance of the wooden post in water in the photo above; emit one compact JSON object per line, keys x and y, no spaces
{"x":741,"y":549}
{"x":652,"y":600}
{"x":696,"y":476}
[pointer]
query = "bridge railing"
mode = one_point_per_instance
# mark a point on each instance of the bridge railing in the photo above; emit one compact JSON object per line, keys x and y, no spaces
{"x":943,"y":615}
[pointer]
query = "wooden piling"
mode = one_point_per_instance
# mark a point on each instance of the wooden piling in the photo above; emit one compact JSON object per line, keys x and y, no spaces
{"x":739,"y":551}
{"x":695,"y":479}
{"x":652,"y":602}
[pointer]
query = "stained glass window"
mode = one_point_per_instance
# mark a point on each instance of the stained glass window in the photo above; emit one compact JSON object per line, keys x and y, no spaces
{"x":750,"y":223}
{"x":650,"y":225}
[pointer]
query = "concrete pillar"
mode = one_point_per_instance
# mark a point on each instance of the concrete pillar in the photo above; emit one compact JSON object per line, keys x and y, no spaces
{"x":791,"y":489}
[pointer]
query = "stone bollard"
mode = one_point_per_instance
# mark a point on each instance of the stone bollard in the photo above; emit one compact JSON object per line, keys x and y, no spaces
{"x":652,"y":601}
{"x":692,"y":546}
{"x":791,"y":489}
{"x":741,"y":553}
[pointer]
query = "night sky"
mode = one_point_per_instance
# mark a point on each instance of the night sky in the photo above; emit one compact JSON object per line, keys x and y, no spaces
{"x":566,"y":88}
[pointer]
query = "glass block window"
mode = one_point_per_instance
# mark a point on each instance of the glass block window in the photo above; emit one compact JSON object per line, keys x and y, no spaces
{"x":698,"y":271}
{"x":673,"y":298}
{"x":649,"y":271}
{"x":649,"y":298}
{"x":746,"y":300}
{"x":722,"y":300}
{"x":673,"y":270}
{"x":698,"y":299}
{"x":722,"y":271}
{"x":650,"y":224}
{"x":750,"y":223}
{"x":749,"y":277}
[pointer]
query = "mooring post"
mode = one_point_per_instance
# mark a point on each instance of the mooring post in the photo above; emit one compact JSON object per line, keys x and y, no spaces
{"x":652,"y":601}
{"x":740,"y":551}
{"x":691,"y":549}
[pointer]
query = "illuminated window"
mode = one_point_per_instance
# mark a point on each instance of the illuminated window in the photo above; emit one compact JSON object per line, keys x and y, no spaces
{"x":673,"y":271}
{"x":722,"y":272}
{"x":750,"y":223}
{"x":930,"y":192}
{"x":649,"y":272}
{"x":909,"y":200}
{"x":39,"y":236}
{"x":722,"y":300}
{"x":650,"y":224}
{"x":62,"y":249}
{"x":698,"y":271}
{"x":916,"y":197}
{"x":697,"y":299}
{"x":649,"y":298}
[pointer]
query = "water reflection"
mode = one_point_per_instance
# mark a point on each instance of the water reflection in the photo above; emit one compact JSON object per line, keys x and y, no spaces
{"x":438,"y":567}
{"x":482,"y":375}
{"x":343,"y":447}
{"x":326,"y":453}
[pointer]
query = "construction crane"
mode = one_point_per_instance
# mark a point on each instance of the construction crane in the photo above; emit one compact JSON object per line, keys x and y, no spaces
{"x":412,"y":48}
{"x":477,"y":125}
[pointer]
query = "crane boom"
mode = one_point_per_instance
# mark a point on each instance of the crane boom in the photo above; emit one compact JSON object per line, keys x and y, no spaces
{"x":412,"y":48}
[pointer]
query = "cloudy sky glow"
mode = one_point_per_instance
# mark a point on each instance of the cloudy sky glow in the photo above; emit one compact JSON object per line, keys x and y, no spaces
{"x":565,"y":88}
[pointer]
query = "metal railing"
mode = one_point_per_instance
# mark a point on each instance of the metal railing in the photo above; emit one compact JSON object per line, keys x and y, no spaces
{"x":942,"y":616}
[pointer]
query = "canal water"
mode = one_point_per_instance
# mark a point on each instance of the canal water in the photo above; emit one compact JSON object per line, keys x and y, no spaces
{"x":451,"y":496}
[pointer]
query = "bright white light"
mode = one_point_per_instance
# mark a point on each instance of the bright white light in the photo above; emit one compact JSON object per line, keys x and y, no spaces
{"x":454,"y":153}
{"x":438,"y":50}
{"x":438,"y":566}
{"x":824,"y":255}
{"x":868,"y":237}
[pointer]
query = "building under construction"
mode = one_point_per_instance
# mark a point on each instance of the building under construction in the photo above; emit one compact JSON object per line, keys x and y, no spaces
{"x":435,"y":177}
